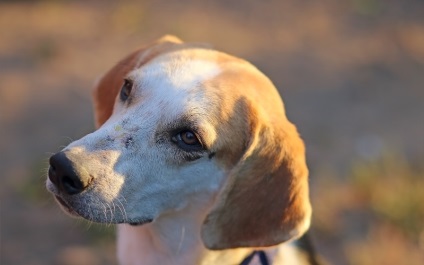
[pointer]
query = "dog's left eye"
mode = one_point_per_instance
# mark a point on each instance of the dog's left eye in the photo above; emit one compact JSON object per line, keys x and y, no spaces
{"x":126,"y":89}
{"x":187,"y":140}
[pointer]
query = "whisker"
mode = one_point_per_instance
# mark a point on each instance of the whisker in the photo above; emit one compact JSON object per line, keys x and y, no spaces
{"x":90,"y":214}
{"x":181,"y":239}
{"x":69,"y":139}
{"x":122,"y":209}
{"x":104,"y":211}
{"x":111,"y":215}
{"x":114,"y":211}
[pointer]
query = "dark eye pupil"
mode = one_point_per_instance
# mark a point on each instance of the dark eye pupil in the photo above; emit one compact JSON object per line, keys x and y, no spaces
{"x":189,"y":138}
{"x":126,"y":90}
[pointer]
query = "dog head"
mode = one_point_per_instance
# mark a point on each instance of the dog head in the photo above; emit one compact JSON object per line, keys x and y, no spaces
{"x":181,"y":122}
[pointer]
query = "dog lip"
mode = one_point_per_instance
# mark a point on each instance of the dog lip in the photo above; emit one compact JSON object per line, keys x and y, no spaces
{"x":142,"y":222}
{"x":65,"y":205}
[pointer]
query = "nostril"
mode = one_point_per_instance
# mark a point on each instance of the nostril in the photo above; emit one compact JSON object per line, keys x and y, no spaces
{"x":72,"y":185}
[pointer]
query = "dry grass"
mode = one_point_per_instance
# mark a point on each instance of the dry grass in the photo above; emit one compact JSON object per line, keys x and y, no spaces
{"x":377,"y":211}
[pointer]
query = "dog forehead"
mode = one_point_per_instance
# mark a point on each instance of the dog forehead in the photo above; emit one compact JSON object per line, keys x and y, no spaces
{"x":203,"y":79}
{"x":178,"y":72}
{"x":175,"y":84}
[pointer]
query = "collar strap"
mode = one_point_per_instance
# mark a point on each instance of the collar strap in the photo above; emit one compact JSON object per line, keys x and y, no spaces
{"x":257,"y":257}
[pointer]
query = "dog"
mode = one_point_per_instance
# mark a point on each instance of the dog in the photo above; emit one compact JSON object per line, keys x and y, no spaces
{"x":193,"y":159}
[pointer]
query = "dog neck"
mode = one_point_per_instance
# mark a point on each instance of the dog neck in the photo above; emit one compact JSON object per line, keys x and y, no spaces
{"x":173,"y":238}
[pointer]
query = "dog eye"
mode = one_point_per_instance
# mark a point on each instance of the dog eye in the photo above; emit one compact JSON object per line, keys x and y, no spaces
{"x":126,"y":89}
{"x":187,"y":140}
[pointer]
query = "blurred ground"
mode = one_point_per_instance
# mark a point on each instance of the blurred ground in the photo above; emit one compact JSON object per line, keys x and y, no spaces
{"x":351,"y":74}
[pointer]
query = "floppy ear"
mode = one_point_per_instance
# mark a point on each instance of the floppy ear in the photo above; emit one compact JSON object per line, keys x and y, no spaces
{"x":110,"y":84}
{"x":265,"y":200}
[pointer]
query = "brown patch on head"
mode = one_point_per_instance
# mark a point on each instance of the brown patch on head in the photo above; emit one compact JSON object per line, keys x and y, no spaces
{"x":232,"y":95}
{"x":110,"y":84}
{"x":265,"y":200}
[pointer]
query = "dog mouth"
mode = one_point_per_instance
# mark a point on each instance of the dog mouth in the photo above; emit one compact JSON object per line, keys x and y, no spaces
{"x":65,"y":206}
{"x":69,"y":210}
{"x":141,"y":222}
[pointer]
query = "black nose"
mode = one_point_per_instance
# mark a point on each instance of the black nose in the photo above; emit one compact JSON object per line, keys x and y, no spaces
{"x":64,"y":174}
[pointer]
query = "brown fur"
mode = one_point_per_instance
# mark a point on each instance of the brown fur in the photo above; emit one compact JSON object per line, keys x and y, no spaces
{"x":265,"y":200}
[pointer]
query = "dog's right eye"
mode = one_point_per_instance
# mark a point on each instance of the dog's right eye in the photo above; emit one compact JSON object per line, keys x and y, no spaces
{"x":187,"y":140}
{"x":126,"y":89}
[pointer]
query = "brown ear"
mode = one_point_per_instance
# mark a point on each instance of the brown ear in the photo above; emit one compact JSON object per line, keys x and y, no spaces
{"x":266,"y":199}
{"x":110,"y":84}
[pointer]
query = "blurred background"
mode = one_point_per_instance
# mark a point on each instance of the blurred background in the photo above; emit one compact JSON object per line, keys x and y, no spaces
{"x":351,"y":74}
